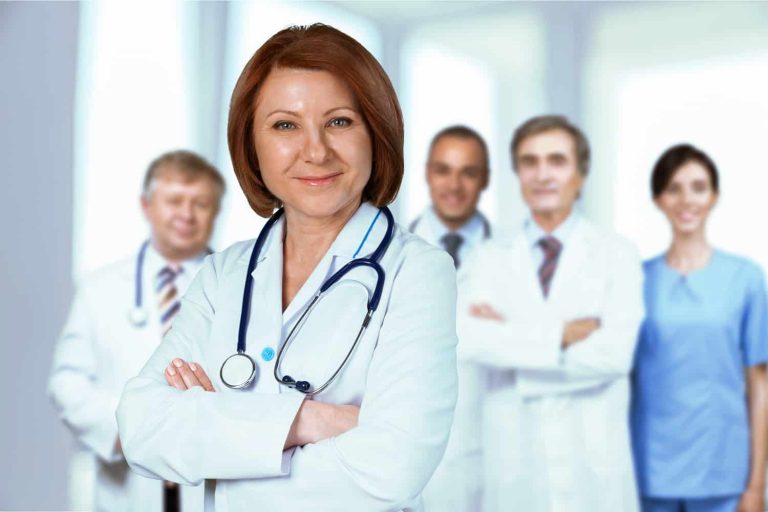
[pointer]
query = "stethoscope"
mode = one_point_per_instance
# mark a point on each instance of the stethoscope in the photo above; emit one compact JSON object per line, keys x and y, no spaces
{"x":138,"y":315}
{"x":239,"y":370}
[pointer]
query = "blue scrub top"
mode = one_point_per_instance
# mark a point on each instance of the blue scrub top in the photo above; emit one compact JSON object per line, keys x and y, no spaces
{"x":689,"y":417}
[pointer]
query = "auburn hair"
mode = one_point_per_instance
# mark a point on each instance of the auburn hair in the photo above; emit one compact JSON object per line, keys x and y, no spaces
{"x":319,"y":47}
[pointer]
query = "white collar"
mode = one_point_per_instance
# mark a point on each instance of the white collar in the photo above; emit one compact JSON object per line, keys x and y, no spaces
{"x":472,"y":230}
{"x":154,"y":262}
{"x":534,"y":233}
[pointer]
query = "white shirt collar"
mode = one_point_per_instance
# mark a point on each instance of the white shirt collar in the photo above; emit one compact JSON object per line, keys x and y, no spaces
{"x":154,"y":262}
{"x":472,"y":231}
{"x":534,"y":233}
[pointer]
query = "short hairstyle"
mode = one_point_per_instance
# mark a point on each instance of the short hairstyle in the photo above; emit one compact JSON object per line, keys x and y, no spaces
{"x":674,"y":158}
{"x":541,"y":124}
{"x":189,"y":165}
{"x":319,"y":47}
{"x":462,"y":132}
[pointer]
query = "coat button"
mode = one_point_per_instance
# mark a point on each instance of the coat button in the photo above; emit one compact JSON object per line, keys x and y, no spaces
{"x":267,"y":354}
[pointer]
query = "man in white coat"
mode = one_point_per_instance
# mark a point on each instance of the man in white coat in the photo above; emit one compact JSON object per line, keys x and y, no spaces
{"x":457,"y":172}
{"x":554,"y":314}
{"x":118,"y":318}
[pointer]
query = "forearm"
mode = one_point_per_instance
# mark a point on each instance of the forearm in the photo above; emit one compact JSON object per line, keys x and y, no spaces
{"x":87,"y":410}
{"x":188,"y":436}
{"x":510,"y":344}
{"x":757,"y":397}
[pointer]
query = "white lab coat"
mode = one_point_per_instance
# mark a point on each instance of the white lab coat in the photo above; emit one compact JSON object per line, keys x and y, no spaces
{"x":99,"y":350}
{"x":556,"y":428}
{"x":402,"y":375}
{"x":457,"y":484}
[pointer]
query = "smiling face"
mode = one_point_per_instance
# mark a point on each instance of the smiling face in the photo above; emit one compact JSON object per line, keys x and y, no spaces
{"x":313,"y":145}
{"x":687,"y":199}
{"x":181,"y":213}
{"x":456,"y":175}
{"x":549,"y":174}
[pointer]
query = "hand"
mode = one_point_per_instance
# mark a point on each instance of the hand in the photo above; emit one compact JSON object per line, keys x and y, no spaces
{"x":485,"y":311}
{"x":752,"y":500}
{"x":316,"y":421}
{"x":579,"y":330}
{"x":184,"y":376}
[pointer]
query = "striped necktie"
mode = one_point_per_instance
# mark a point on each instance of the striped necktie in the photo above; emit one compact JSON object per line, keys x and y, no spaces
{"x":168,"y":295}
{"x":168,"y":306}
{"x":551,"y":247}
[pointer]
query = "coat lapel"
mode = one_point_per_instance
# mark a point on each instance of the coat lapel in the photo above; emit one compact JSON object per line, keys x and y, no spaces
{"x":574,"y":256}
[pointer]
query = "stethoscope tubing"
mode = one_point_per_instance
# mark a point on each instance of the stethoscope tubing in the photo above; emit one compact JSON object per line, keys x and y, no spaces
{"x":371,"y":261}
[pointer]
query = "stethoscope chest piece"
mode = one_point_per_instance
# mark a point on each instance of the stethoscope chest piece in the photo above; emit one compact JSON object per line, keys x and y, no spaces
{"x":238,"y":371}
{"x":137,"y":316}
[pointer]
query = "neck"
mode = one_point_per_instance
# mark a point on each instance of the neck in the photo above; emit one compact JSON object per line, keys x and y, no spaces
{"x":308,"y":238}
{"x":454,"y":224}
{"x":172,"y":255}
{"x":551,"y":220}
{"x":689,"y":251}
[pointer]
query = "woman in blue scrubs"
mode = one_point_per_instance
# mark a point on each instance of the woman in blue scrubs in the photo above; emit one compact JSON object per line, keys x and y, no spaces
{"x":699,"y":413}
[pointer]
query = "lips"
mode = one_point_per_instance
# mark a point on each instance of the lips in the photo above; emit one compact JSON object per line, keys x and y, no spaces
{"x":318,"y":181}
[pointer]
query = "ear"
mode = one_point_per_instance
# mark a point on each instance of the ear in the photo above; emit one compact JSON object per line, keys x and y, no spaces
{"x":144,"y":201}
{"x":486,"y":179}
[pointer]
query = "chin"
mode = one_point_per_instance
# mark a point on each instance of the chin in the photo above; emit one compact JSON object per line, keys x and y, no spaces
{"x":450,"y":216}
{"x":324,"y":205}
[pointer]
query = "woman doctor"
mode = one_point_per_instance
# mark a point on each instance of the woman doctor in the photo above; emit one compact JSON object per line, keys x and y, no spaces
{"x":699,"y":410}
{"x":276,"y":399}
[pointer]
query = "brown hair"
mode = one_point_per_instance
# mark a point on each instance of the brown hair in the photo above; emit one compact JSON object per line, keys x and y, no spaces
{"x":541,"y":124}
{"x":674,"y":158}
{"x":319,"y":47}
{"x":189,"y":165}
{"x":462,"y":132}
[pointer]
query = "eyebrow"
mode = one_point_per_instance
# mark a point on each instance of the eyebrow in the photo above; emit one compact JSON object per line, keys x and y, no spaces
{"x":296,"y":114}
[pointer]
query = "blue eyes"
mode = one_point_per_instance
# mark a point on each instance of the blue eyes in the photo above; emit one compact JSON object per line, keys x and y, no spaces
{"x":283,"y":125}
{"x":340,"y":122}
{"x":337,"y":122}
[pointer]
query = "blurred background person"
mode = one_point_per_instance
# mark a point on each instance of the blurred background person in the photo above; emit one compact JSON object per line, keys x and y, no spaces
{"x":118,"y":318}
{"x":457,"y":172}
{"x":555,"y":312}
{"x":699,"y":412}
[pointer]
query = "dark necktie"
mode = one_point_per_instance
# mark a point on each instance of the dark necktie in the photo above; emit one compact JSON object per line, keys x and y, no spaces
{"x":452,"y":242}
{"x":168,"y":306}
{"x":551,"y":247}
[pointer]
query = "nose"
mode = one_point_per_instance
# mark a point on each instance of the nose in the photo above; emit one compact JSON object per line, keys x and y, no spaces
{"x":186,"y":211}
{"x":316,"y":147}
{"x":687,"y":196}
{"x":543,"y":172}
{"x":454,"y":182}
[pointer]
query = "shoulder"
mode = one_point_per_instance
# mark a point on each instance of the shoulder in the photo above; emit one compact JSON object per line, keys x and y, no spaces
{"x":739,"y":265}
{"x":109,"y":276}
{"x":607,"y":239}
{"x":652,"y":265}
{"x":414,"y":251}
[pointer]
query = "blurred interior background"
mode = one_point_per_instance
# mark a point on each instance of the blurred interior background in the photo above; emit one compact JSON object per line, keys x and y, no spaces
{"x":91,"y":92}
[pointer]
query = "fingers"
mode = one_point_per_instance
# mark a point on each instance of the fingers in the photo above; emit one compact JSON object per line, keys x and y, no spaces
{"x":485,"y":311}
{"x":183,"y":375}
{"x":189,"y":377}
{"x":202,"y":377}
{"x":173,"y":377}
